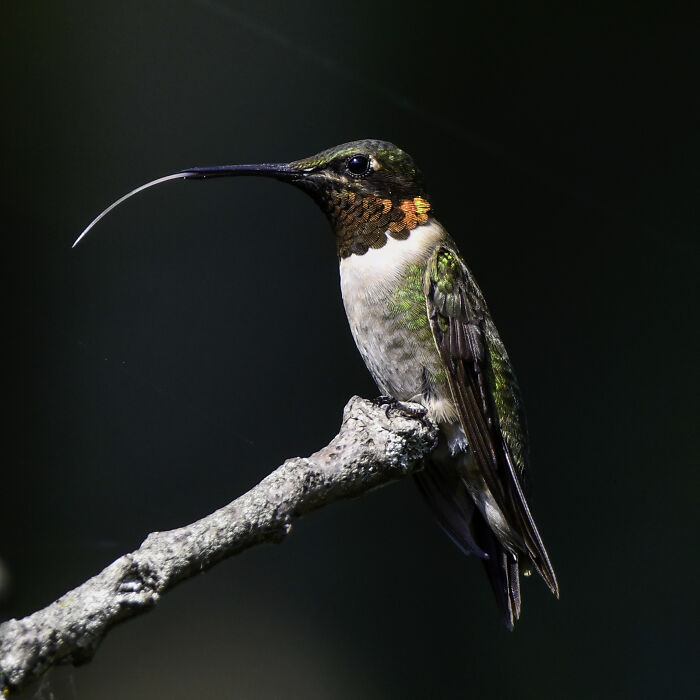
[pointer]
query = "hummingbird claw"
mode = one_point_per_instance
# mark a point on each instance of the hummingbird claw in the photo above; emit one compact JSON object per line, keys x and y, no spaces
{"x":387,"y":401}
{"x":409,"y":411}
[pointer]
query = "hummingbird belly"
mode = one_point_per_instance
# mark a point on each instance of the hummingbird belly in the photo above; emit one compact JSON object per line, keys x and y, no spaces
{"x":385,"y":304}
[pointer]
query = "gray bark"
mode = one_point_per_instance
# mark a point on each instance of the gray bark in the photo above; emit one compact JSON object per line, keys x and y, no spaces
{"x":374,"y":446}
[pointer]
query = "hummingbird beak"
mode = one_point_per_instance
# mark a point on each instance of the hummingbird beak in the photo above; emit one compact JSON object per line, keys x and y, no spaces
{"x":278,"y":171}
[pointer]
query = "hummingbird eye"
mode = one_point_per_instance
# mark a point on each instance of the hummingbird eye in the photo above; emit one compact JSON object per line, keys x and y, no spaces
{"x":358,"y":165}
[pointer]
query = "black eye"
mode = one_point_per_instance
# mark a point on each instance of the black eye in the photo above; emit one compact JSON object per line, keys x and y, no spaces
{"x":358,"y":165}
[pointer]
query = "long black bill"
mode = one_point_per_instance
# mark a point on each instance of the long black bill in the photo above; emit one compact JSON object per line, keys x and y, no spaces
{"x":279,"y":171}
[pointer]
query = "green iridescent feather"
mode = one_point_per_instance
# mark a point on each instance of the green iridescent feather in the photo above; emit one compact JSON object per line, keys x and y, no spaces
{"x":391,"y":157}
{"x":507,"y":402}
{"x":407,"y":306}
{"x":457,"y":298}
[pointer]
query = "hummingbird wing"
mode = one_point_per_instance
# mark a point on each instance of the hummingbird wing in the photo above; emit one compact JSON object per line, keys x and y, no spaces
{"x":487,"y":398}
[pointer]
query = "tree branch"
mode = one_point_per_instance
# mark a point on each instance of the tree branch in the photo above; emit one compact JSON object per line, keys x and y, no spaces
{"x":374,"y":446}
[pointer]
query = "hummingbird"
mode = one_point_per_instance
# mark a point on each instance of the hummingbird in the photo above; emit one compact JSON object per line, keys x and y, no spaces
{"x":422,"y":327}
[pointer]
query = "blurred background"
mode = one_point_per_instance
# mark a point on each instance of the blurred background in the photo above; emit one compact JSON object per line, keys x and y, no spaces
{"x":197,"y":338}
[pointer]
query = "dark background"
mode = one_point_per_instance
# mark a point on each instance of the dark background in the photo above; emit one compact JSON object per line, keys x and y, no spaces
{"x":197,"y":337}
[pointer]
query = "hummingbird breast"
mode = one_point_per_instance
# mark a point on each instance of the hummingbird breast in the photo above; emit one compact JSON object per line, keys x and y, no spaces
{"x":386,"y":309}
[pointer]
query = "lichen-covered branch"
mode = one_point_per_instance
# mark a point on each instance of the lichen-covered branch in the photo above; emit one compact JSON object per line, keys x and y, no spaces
{"x":374,"y":446}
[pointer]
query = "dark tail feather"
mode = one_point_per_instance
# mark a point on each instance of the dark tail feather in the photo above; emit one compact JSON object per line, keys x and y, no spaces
{"x":502,"y":570}
{"x":458,"y":516}
{"x":452,"y":506}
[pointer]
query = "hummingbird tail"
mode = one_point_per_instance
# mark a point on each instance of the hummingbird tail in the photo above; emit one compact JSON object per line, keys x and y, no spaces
{"x":452,"y":506}
{"x":457,"y":514}
{"x":502,"y":570}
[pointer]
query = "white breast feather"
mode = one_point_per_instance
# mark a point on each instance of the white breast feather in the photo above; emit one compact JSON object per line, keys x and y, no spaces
{"x":379,"y":270}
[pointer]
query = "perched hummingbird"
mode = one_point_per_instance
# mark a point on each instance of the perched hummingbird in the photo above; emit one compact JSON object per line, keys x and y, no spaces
{"x":426,"y":335}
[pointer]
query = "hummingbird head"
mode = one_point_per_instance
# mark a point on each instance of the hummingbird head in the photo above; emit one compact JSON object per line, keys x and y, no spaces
{"x":368,"y":189}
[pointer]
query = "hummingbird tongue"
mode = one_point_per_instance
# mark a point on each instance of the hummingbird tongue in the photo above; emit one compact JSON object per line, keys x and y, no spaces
{"x":279,"y":171}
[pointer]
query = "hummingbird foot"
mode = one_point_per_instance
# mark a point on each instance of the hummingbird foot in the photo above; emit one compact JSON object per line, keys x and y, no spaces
{"x":410,"y":411}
